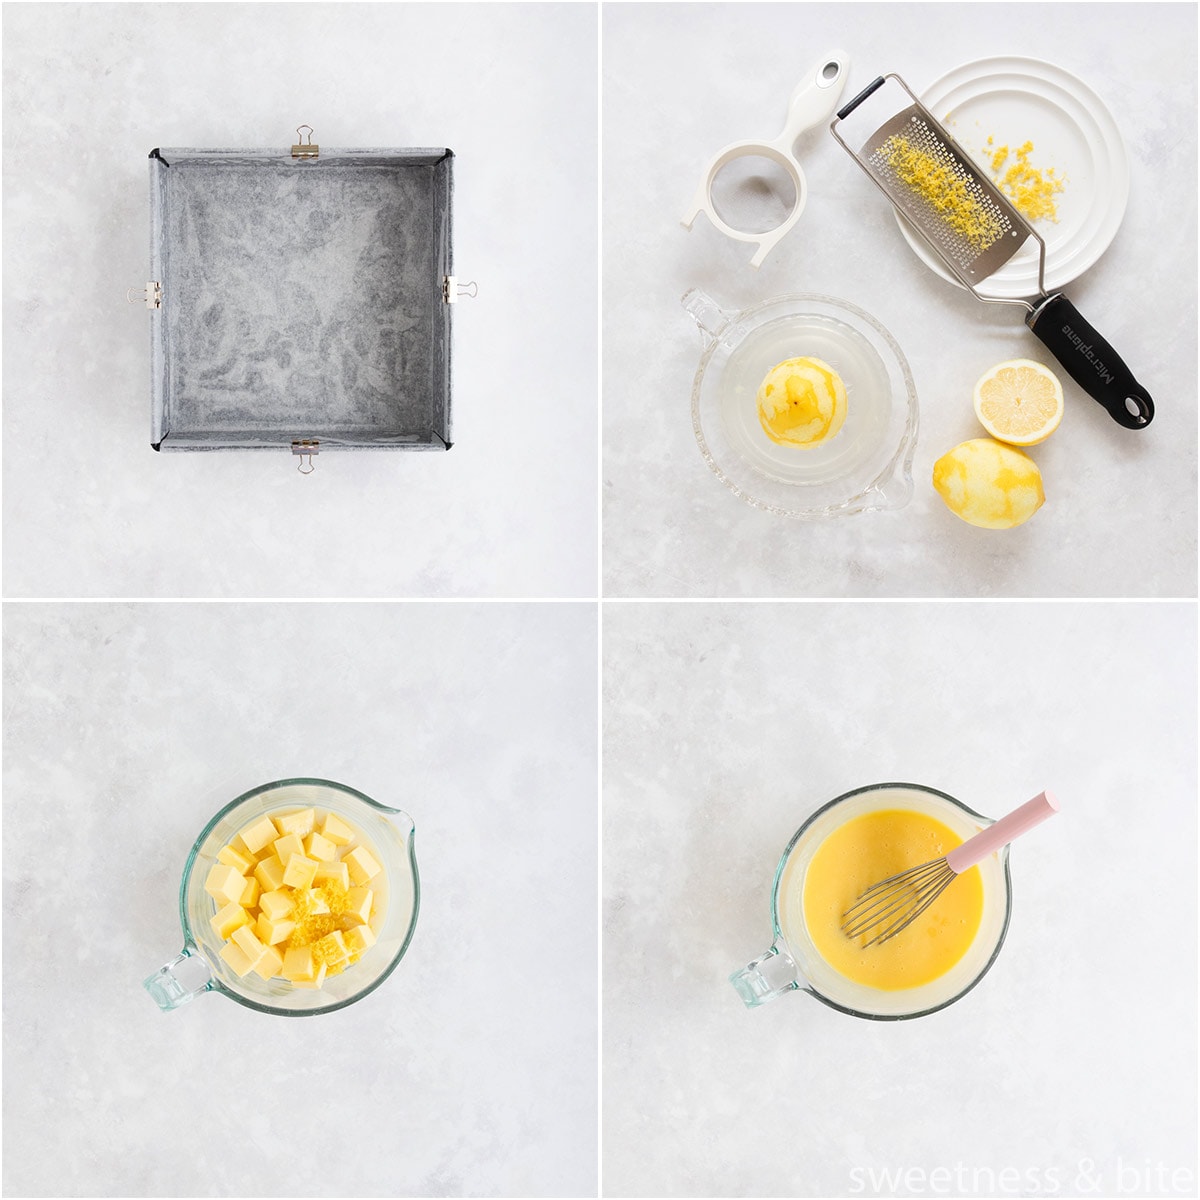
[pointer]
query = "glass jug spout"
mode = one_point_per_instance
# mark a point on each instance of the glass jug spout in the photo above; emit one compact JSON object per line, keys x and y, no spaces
{"x":770,"y":975}
{"x":894,"y":491}
{"x":181,"y":980}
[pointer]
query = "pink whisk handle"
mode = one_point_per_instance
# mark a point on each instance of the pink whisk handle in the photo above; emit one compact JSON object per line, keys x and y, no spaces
{"x":1032,"y":812}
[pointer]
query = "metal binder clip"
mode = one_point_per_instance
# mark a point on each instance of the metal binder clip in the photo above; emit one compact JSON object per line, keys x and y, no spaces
{"x":306,"y":449}
{"x":452,"y":289}
{"x":305,"y":149}
{"x":151,"y":294}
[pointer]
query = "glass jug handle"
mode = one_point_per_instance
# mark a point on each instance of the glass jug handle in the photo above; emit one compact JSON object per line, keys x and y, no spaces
{"x":715,"y":324}
{"x":170,"y":987}
{"x":768,"y":976}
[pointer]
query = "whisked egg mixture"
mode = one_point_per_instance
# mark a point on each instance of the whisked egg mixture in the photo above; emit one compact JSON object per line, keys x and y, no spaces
{"x":865,"y":850}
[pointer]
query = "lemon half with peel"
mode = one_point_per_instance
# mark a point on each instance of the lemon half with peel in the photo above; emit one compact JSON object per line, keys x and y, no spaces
{"x":989,"y":484}
{"x":801,"y":402}
{"x":1019,"y":402}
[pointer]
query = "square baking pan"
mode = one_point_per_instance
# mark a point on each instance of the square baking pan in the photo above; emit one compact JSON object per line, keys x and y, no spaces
{"x":301,"y":298}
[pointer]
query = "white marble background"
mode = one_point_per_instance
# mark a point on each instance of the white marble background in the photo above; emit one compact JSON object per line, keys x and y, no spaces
{"x":90,"y":509}
{"x":726,"y":725}
{"x":680,"y":81}
{"x":471,"y":1071}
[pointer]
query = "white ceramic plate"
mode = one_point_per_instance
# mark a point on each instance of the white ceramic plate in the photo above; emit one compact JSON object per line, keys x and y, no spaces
{"x":1015,"y":100}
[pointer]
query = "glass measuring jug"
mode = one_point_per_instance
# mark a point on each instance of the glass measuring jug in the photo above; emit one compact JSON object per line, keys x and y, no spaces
{"x":387,"y":832}
{"x":793,"y":962}
{"x":867,"y":467}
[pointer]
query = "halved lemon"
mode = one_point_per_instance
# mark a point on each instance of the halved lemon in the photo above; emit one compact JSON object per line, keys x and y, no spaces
{"x":801,"y":402}
{"x":1019,"y":402}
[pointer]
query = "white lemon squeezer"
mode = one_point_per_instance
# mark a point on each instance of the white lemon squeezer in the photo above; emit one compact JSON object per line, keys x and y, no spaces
{"x":812,"y":103}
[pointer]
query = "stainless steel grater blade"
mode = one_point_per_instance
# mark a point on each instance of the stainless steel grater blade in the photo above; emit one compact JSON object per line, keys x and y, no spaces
{"x":971,"y":262}
{"x":959,"y":188}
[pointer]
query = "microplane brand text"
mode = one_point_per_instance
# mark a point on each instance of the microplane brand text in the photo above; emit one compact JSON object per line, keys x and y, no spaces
{"x":1086,"y":351}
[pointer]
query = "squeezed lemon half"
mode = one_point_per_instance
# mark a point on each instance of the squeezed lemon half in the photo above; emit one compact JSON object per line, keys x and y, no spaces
{"x":801,"y":402}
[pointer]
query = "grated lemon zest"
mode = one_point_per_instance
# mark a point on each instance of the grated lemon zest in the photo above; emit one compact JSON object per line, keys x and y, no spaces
{"x":946,"y":190}
{"x":1030,"y":189}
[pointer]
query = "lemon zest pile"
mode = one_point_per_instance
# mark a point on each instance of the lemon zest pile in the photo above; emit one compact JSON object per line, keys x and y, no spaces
{"x":945,"y":189}
{"x":1031,"y":190}
{"x":317,"y":912}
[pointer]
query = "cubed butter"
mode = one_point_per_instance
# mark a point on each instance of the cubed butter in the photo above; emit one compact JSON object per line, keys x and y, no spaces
{"x":336,"y":830}
{"x":289,"y":844}
{"x":259,"y":835}
{"x":317,"y":979}
{"x":332,"y":872}
{"x":358,"y":905}
{"x":331,"y":949}
{"x":275,"y":905}
{"x":269,"y":965}
{"x":359,"y":939}
{"x":237,"y":958}
{"x":246,"y":941}
{"x":225,"y":884}
{"x":232,"y":857}
{"x":362,"y":864}
{"x":280,"y":881}
{"x":226,"y":920}
{"x":320,"y":848}
{"x":300,"y":823}
{"x":271,"y":933}
{"x":298,"y":964}
{"x":269,"y":874}
{"x":299,"y":871}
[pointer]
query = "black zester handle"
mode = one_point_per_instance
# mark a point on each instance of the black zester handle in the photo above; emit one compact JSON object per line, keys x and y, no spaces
{"x":1091,"y":362}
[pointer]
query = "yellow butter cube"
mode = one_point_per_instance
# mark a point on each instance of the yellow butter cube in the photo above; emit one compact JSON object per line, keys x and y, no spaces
{"x":269,"y":874}
{"x":332,"y":872}
{"x":330,"y":949}
{"x":250,"y":893}
{"x":259,"y":835}
{"x":359,"y":939}
{"x":337,"y":831}
{"x":226,"y":920}
{"x":300,"y":823}
{"x":232,"y":857}
{"x":299,"y":871}
{"x":275,"y":905}
{"x":270,"y":964}
{"x":362,"y":864}
{"x":318,"y":977}
{"x":246,"y":941}
{"x":358,"y":905}
{"x":298,"y":964}
{"x":320,"y":848}
{"x":225,"y":884}
{"x":289,"y":844}
{"x":273,"y":932}
{"x":237,"y":958}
